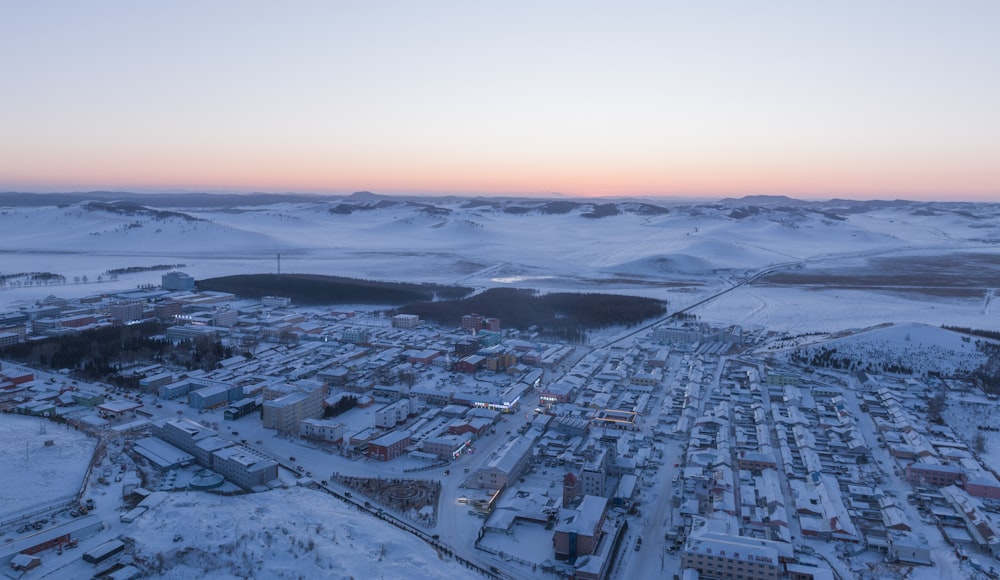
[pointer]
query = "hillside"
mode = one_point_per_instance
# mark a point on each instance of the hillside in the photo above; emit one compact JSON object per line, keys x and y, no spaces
{"x":889,"y":260}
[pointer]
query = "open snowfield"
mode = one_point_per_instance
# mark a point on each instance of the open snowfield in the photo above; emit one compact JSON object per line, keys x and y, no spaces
{"x":34,"y":475}
{"x":280,"y":534}
{"x":680,"y":252}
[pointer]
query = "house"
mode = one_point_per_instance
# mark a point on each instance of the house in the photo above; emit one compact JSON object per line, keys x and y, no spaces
{"x":910,"y":549}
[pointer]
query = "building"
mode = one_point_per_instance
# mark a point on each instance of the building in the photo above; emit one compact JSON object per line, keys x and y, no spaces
{"x":389,"y":446}
{"x":933,"y":474}
{"x":58,"y":535}
{"x":192,"y":332}
{"x":558,"y":393}
{"x":506,"y":465}
{"x":174,"y":390}
{"x":594,"y":475}
{"x":78,"y":321}
{"x":167,"y":309}
{"x":152,"y":383}
{"x":275,"y":302}
{"x":723,"y":556}
{"x":615,"y":419}
{"x":579,"y":530}
{"x":245,"y":467}
{"x":355,"y":335}
{"x":177,"y":281}
{"x":447,"y":446}
{"x":394,"y":413}
{"x":476,"y":322}
{"x":405,"y":321}
{"x":224,"y":318}
{"x":190,"y":437}
{"x":322,"y":430}
{"x":213,"y":395}
{"x":304,"y":400}
{"x":241,"y":408}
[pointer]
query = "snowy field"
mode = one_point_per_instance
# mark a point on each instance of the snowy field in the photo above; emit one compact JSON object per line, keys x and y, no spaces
{"x":687,"y":254}
{"x":294,"y":533}
{"x":34,"y":475}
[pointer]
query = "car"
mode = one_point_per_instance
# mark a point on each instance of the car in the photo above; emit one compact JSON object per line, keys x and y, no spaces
{"x":291,"y":459}
{"x":447,"y":472}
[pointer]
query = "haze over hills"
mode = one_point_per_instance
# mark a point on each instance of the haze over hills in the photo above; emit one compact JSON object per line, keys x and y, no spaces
{"x":681,"y":250}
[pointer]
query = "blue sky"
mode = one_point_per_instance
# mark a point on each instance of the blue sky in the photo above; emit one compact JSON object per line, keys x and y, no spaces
{"x":851,"y":99}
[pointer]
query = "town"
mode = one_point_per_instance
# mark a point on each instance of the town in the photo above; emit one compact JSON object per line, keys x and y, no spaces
{"x":680,"y":450}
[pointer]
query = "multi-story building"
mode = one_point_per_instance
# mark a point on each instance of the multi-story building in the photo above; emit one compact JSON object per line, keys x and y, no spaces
{"x":178,"y":281}
{"x":186,"y":435}
{"x":215,"y":394}
{"x":167,"y":309}
{"x":245,"y":467}
{"x":241,"y":408}
{"x":405,"y":321}
{"x":389,"y":446}
{"x":394,"y":413}
{"x":127,"y":310}
{"x":723,"y":556}
{"x":355,"y":335}
{"x":594,"y":475}
{"x":224,"y":317}
{"x":288,"y":404}
{"x":275,"y":302}
{"x":579,"y":530}
{"x":476,"y":322}
{"x":933,"y":474}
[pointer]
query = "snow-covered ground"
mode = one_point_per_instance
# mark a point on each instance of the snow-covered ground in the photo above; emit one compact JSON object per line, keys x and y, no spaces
{"x":684,"y":255}
{"x":41,"y":463}
{"x":293,"y":533}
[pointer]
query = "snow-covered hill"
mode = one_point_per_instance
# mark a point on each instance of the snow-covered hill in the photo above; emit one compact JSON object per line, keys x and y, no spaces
{"x":679,"y":250}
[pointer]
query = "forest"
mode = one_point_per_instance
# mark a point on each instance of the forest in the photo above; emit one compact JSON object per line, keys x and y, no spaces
{"x":562,"y":314}
{"x":99,"y":354}
{"x":319,"y":290}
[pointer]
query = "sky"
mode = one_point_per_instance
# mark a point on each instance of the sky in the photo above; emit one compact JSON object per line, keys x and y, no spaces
{"x":859,"y":99}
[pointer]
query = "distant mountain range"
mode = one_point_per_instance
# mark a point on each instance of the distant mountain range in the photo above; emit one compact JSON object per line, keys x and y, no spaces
{"x":593,"y":208}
